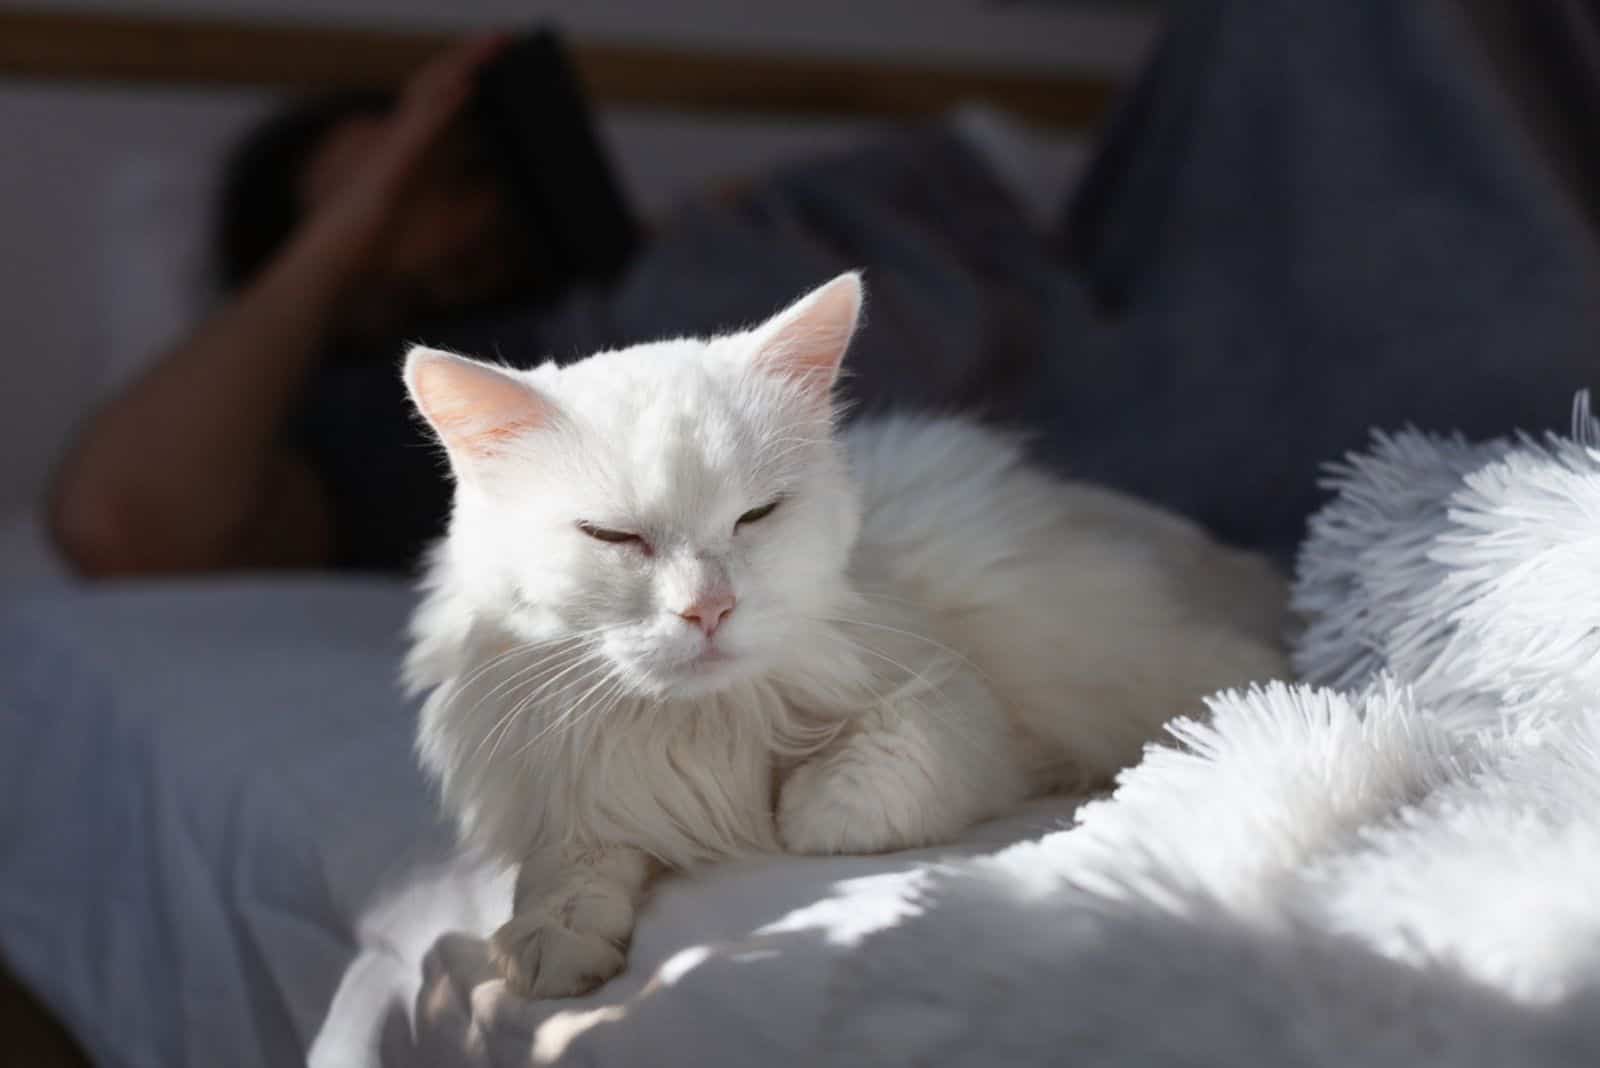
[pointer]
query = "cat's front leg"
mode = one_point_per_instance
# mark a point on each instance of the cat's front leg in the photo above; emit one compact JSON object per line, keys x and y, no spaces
{"x":572,"y":917}
{"x":920,"y":767}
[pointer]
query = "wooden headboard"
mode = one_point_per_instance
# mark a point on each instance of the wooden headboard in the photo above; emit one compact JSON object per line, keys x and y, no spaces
{"x":177,"y":51}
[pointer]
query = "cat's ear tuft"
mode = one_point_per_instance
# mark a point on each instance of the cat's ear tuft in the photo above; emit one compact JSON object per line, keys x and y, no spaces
{"x":473,"y":407}
{"x":807,"y":340}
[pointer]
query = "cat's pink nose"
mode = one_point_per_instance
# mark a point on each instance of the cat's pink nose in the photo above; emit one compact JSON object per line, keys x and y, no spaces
{"x":708,"y":612}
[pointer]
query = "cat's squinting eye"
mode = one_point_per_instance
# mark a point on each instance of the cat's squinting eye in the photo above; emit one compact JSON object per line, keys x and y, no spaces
{"x":756,"y":515}
{"x":611,"y":537}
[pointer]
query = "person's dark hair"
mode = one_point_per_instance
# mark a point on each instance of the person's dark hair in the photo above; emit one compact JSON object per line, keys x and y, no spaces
{"x":260,"y":204}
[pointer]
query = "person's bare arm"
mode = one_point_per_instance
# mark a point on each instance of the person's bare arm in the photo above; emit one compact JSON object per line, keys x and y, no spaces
{"x":180,"y":471}
{"x":188,"y":469}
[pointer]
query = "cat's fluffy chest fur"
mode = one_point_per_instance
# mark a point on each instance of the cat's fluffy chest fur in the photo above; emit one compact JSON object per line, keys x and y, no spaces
{"x":669,"y":629}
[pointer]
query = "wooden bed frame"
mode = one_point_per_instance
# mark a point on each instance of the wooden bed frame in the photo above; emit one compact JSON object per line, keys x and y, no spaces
{"x":98,"y":48}
{"x":184,"y":51}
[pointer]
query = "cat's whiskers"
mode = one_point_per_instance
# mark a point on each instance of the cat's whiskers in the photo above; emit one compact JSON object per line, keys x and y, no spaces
{"x":911,"y":676}
{"x":941,"y":646}
{"x":544,"y":690}
{"x":611,"y":674}
{"x":515,"y":681}
{"x":521,"y":672}
{"x":578,"y":653}
{"x":610,"y":699}
{"x":522,"y":648}
{"x":605,"y":705}
{"x":907,"y":691}
{"x":619,"y":692}
{"x":564,"y":646}
{"x":489,"y":664}
{"x":541,"y":679}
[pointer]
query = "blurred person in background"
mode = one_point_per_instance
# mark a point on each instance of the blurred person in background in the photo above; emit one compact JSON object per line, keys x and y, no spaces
{"x":341,"y":223}
{"x":1300,"y":225}
{"x":278,"y":436}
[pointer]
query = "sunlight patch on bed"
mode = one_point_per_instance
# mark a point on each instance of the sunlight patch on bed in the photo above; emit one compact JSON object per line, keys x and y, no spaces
{"x":551,"y":1040}
{"x":859,"y":907}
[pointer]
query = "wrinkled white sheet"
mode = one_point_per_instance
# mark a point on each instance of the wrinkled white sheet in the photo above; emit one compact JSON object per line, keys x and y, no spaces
{"x":730,"y":966}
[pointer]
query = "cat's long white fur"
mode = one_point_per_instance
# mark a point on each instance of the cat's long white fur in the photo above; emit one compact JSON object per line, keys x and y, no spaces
{"x":927,"y":629}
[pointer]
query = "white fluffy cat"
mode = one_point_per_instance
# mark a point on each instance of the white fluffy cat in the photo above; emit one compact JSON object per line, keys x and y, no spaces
{"x":678,"y":617}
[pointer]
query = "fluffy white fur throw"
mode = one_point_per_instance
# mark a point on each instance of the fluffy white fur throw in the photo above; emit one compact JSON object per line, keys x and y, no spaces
{"x":1400,"y":869}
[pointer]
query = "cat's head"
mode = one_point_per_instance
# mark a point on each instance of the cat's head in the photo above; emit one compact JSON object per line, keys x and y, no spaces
{"x":682,"y":508}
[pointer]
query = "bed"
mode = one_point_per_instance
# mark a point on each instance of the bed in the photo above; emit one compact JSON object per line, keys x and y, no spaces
{"x":247,"y":852}
{"x":212,"y":855}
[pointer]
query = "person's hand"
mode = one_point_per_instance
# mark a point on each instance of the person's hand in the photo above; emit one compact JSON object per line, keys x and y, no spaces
{"x":361,"y":182}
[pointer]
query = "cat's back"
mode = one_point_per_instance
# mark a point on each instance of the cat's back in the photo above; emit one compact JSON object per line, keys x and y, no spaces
{"x":956,"y":506}
{"x":937,"y":484}
{"x":1056,"y":586}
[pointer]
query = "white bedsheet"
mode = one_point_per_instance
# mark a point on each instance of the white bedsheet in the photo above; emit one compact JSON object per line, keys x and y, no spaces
{"x":215,"y":849}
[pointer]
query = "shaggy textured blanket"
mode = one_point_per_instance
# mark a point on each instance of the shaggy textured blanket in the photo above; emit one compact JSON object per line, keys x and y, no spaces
{"x":1400,"y":868}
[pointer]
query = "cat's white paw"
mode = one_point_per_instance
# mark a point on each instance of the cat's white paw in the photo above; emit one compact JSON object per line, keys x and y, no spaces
{"x":568,"y":944}
{"x":836,"y":807}
{"x":540,"y":958}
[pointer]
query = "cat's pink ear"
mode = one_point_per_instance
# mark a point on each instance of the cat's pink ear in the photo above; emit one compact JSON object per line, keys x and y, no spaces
{"x":473,"y":407}
{"x":807,"y":340}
